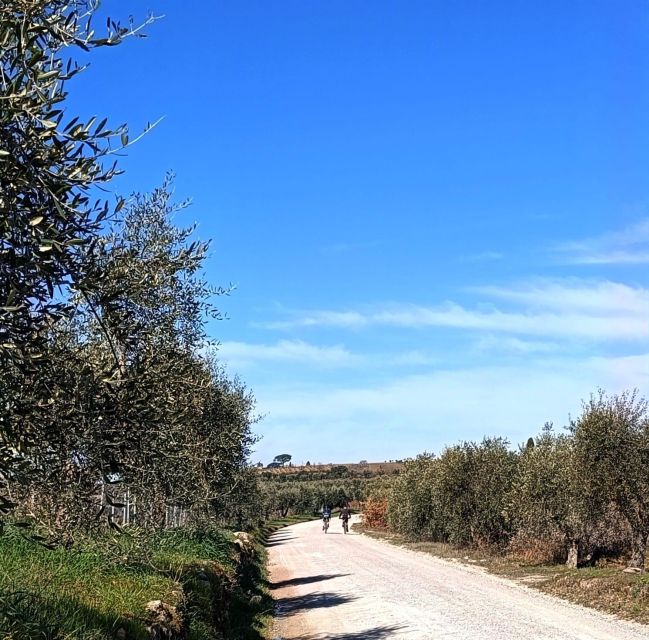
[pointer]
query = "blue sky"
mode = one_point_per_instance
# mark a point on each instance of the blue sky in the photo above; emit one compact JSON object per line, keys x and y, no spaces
{"x":436,"y":213}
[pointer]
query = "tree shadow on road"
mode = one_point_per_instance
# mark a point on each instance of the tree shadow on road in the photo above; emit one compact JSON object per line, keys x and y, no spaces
{"x":275,"y":541}
{"x":278,"y":535}
{"x":305,"y":580}
{"x":289,"y":606}
{"x":378,"y":633}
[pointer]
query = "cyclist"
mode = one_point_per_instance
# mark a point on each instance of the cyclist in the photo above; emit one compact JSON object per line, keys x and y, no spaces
{"x":344,"y":516}
{"x":326,"y":516}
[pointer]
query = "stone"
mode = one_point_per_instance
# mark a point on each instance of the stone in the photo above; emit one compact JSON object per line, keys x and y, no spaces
{"x":164,"y":621}
{"x":245,"y":544}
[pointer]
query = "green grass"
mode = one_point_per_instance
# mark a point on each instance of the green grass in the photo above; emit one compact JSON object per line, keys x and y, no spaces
{"x":89,"y":593}
{"x":61,"y":593}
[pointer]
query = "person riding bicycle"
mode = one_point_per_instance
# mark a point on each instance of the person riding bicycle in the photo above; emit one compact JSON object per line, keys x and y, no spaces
{"x":326,"y":515}
{"x":344,"y":516}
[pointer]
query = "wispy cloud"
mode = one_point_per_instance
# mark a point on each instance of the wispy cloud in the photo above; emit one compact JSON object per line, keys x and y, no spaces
{"x":412,"y":358}
{"x":599,"y":297}
{"x":243,"y":354}
{"x":339,"y":319}
{"x":404,"y":416}
{"x":571,"y":308}
{"x":628,"y":246}
{"x":512,"y":345}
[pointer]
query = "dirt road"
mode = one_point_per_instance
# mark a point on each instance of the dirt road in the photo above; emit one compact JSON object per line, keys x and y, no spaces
{"x":337,"y":587}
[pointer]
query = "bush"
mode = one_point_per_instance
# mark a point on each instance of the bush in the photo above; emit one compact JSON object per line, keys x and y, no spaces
{"x":474,"y":484}
{"x":375,"y":513}
{"x":547,"y":548}
{"x":543,"y":503}
{"x":414,"y":507}
{"x":611,"y":444}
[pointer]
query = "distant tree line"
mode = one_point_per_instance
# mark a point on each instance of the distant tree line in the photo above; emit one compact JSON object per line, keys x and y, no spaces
{"x":572,"y":496}
{"x":336,"y":471}
{"x":308,"y":497}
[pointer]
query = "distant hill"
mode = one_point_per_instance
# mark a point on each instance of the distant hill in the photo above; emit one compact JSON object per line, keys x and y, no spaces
{"x":349,"y":469}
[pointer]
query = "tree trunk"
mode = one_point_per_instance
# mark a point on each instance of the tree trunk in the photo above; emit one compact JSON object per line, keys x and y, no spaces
{"x":638,"y":550}
{"x":573,"y":554}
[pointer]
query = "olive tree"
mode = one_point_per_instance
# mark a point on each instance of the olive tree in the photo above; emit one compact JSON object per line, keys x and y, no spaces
{"x":180,"y":429}
{"x":414,"y":507}
{"x":474,"y":483}
{"x":145,"y":413}
{"x":51,"y":163}
{"x":549,"y":514}
{"x":611,"y":439}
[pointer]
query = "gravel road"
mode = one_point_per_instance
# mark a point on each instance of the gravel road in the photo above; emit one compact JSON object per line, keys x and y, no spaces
{"x":351,"y":587}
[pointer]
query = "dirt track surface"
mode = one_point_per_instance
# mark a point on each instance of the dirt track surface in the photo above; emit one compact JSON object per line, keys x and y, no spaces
{"x":337,"y":587}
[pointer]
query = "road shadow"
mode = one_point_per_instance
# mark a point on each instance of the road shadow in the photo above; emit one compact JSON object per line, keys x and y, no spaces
{"x":378,"y":633}
{"x":281,"y":536}
{"x":289,"y":606}
{"x":305,"y":580}
{"x":275,"y":541}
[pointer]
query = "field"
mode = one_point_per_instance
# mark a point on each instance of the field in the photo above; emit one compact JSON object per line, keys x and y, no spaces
{"x":353,"y":468}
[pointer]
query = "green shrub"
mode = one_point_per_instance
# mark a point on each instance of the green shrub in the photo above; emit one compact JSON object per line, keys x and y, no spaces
{"x":414,"y":508}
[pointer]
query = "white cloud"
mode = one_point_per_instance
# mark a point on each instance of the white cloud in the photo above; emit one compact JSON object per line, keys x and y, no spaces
{"x":414,"y":357}
{"x":512,"y":345}
{"x":613,"y":257}
{"x":560,"y":309}
{"x":409,"y":415}
{"x":628,"y":246}
{"x":343,"y":319}
{"x":242,"y":354}
{"x":245,"y":355}
{"x":603,"y":297}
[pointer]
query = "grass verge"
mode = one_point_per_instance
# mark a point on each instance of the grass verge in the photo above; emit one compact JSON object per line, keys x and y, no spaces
{"x":603,"y":587}
{"x":91,"y":593}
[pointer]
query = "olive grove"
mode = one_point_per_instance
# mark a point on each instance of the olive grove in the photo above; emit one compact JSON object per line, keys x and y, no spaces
{"x":571,"y":497}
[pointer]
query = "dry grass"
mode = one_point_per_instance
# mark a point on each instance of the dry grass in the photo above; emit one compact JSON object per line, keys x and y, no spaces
{"x":626,"y":595}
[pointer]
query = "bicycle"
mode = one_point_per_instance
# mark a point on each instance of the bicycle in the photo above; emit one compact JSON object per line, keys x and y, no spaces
{"x":346,"y":526}
{"x":325,"y":524}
